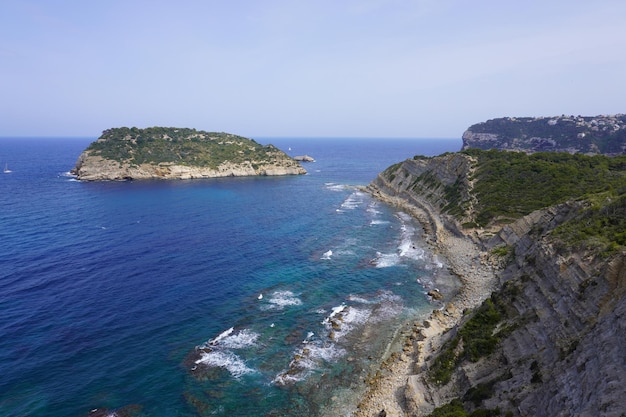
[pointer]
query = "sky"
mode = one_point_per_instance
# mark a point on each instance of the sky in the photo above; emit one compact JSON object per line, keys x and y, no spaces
{"x":305,"y":68}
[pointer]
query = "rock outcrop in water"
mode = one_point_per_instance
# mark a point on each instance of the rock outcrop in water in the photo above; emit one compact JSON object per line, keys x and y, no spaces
{"x":550,"y":339}
{"x":172,"y":153}
{"x":572,"y":134}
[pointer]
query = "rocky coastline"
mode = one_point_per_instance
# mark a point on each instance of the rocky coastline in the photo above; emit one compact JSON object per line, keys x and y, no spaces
{"x":556,"y":345}
{"x":396,"y":390}
{"x":178,"y":153}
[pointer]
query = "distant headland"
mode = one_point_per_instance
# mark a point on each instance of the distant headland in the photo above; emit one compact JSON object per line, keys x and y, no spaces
{"x":571,"y":134}
{"x":178,"y":153}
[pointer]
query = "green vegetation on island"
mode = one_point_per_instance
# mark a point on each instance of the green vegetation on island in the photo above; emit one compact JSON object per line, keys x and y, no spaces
{"x":181,"y":146}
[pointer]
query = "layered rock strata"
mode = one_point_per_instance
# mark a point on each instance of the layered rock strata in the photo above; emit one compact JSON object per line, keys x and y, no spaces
{"x":561,"y":347}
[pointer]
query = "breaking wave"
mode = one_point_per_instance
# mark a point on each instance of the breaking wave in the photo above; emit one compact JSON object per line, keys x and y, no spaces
{"x":278,"y":300}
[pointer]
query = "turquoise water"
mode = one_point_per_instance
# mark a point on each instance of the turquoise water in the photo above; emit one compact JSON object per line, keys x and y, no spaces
{"x":227,"y":297}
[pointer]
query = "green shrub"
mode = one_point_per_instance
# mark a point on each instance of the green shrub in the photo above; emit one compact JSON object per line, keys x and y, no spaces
{"x":178,"y":146}
{"x":513,"y":184}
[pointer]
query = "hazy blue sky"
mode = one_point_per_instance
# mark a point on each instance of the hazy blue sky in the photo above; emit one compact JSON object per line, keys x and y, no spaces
{"x":396,"y":68}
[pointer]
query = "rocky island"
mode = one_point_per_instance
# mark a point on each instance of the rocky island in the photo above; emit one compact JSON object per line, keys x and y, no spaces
{"x":571,"y":134}
{"x":178,"y":153}
{"x":539,"y":242}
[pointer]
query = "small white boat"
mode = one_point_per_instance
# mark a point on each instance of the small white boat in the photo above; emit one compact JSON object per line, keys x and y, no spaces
{"x":6,"y":169}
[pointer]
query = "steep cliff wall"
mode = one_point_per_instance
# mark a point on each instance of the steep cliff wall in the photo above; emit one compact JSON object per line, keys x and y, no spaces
{"x":566,"y":355}
{"x":554,"y":339}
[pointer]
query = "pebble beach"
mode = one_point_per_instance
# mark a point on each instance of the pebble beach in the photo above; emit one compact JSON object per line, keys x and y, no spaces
{"x":386,"y":394}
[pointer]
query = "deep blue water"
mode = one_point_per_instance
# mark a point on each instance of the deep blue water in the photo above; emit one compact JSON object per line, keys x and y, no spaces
{"x":109,"y":290}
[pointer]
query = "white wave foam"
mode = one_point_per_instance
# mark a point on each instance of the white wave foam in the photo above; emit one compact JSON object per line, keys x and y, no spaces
{"x":385,"y":260}
{"x":307,"y":359}
{"x":336,"y":187}
{"x":221,"y":336}
{"x":348,"y":318}
{"x":327,"y":254}
{"x":406,"y":247}
{"x":227,"y":360}
{"x":372,"y":208}
{"x":358,"y":299}
{"x":408,"y":250}
{"x":356,"y":316}
{"x":387,"y":311}
{"x":335,"y":311}
{"x":327,"y":353}
{"x":404,"y":216}
{"x":388,"y":306}
{"x":282,"y":299}
{"x":353,"y":201}
{"x":240,"y":340}
{"x":376,"y":222}
{"x":345,"y":252}
{"x":389,"y":296}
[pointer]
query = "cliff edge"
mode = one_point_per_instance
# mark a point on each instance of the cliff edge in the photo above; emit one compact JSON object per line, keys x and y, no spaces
{"x":538,"y":328}
{"x":173,"y":153}
{"x":571,"y":134}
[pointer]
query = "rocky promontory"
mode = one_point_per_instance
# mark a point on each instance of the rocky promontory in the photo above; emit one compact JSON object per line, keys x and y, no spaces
{"x":178,"y":153}
{"x":571,"y":134}
{"x":539,"y":242}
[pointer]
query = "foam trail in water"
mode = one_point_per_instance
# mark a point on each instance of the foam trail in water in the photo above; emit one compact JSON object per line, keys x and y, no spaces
{"x":336,"y":187}
{"x":406,"y":246}
{"x":243,"y":339}
{"x":218,"y":352}
{"x":353,"y":201}
{"x":278,"y":300}
{"x":227,"y":360}
{"x":221,"y":336}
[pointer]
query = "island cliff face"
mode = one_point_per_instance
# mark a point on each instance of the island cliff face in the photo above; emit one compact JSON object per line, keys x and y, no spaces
{"x":547,"y":336}
{"x":572,"y":134}
{"x":172,"y":153}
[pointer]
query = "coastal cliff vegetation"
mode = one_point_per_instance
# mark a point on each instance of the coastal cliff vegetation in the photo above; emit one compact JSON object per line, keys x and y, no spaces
{"x":509,"y":185}
{"x":498,"y":187}
{"x":545,"y":339}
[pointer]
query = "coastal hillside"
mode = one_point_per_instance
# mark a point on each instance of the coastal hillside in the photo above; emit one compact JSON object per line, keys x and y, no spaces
{"x":545,"y":334}
{"x":572,"y":134}
{"x":177,"y":153}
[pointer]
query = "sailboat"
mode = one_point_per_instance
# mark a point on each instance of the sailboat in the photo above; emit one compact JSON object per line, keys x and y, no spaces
{"x":6,"y":169}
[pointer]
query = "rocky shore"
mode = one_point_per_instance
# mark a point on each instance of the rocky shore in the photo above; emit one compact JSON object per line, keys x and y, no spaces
{"x":397,"y":389}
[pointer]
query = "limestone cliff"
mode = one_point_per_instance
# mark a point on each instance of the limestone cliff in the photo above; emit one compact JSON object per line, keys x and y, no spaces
{"x":572,"y":134}
{"x":172,"y":153}
{"x":551,"y":339}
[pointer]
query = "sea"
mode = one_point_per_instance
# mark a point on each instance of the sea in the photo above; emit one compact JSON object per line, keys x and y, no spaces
{"x":258,"y":296}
